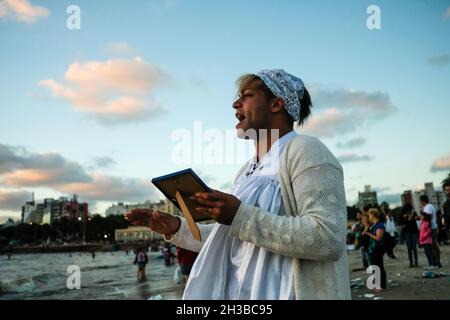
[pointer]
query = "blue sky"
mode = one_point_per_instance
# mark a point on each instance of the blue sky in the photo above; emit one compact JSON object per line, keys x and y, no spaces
{"x":92,"y":110}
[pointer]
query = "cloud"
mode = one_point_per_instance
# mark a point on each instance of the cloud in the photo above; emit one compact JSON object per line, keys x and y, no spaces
{"x":381,"y":189}
{"x":352,"y":157}
{"x":104,"y":162}
{"x":158,"y":7}
{"x":439,"y":60}
{"x":441,"y":164}
{"x":119,"y":49}
{"x":329,"y":122}
{"x":113,"y":92}
{"x":13,"y":200}
{"x":392,"y":198}
{"x":22,"y":11}
{"x":342,"y":111}
{"x":110,"y":188}
{"x":353,"y":143}
{"x":21,"y":168}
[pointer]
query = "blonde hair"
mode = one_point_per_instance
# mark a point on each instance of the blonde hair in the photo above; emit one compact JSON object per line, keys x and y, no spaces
{"x":246,"y":80}
{"x":374,"y":212}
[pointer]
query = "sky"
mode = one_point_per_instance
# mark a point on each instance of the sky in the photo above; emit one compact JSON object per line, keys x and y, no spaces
{"x":98,"y":100}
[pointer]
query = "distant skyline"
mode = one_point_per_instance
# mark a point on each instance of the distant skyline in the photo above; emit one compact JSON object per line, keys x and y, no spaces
{"x":93,"y":111}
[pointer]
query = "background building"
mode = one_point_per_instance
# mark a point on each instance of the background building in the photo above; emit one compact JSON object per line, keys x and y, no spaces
{"x":132,"y":234}
{"x":367,"y":198}
{"x":52,"y":210}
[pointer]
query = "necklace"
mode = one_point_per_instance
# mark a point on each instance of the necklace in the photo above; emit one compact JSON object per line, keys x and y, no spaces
{"x":253,"y":167}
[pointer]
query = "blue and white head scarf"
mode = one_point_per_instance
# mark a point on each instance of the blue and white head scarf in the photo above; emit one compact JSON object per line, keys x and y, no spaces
{"x":286,"y":86}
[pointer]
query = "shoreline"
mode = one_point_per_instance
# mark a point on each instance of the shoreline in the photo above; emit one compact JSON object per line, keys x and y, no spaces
{"x":88,"y":247}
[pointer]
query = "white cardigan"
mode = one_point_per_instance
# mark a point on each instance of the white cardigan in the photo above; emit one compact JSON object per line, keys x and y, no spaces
{"x":313,"y":229}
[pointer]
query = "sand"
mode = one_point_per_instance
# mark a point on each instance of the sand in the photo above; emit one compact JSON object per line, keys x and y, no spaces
{"x":405,"y":283}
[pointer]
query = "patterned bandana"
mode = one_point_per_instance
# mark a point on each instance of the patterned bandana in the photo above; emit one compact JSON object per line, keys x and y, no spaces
{"x":286,"y":86}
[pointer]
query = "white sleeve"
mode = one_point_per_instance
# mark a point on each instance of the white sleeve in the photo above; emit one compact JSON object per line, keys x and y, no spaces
{"x":184,"y":239}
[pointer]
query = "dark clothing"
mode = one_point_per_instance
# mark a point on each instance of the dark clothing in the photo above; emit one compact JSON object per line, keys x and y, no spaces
{"x":446,"y":207}
{"x":373,"y":243}
{"x":435,"y":248}
{"x":411,"y":245}
{"x":377,"y":259}
{"x":429,"y":253}
{"x":411,"y":226}
{"x":186,"y":259}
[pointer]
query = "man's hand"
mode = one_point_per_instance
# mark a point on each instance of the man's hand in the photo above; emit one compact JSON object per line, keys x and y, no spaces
{"x":220,"y":206}
{"x":159,"y":222}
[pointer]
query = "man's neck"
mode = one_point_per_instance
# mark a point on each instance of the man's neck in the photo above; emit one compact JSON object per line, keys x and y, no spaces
{"x":264,"y":141}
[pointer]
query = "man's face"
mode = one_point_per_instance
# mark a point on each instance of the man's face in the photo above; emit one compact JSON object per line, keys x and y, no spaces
{"x":447,"y":191}
{"x":252,"y":110}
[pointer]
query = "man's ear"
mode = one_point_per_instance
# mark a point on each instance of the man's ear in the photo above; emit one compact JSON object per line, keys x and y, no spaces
{"x":277,"y":105}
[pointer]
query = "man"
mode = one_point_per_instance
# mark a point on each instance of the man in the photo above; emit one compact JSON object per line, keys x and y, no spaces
{"x":428,"y":208}
{"x":281,"y":234}
{"x":446,"y":206}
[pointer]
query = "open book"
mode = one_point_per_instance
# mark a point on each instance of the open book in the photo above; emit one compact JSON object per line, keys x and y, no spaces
{"x":178,"y":187}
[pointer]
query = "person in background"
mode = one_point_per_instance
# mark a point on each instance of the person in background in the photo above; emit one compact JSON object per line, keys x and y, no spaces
{"x":166,"y":251}
{"x":365,"y":240}
{"x":357,"y":228}
{"x":446,"y":207}
{"x":426,"y":240}
{"x":376,"y":245}
{"x":390,"y":236}
{"x":186,"y":259}
{"x":428,"y":208}
{"x":411,"y":232}
{"x":141,"y":260}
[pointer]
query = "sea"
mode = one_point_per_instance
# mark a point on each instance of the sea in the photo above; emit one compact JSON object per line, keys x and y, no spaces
{"x":110,"y":276}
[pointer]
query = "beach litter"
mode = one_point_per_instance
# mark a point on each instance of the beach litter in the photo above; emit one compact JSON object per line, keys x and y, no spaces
{"x":369,"y":295}
{"x":431,"y":274}
{"x":356,"y":283}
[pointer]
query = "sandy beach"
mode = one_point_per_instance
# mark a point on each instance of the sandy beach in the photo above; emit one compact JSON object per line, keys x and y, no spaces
{"x":405,"y":283}
{"x":113,"y":276}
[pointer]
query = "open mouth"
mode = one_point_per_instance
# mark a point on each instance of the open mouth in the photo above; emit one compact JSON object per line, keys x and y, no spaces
{"x":240,"y":117}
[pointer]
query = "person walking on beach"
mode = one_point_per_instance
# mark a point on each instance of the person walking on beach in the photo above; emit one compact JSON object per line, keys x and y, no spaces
{"x":167,"y":253}
{"x":411,"y":233}
{"x":376,"y":243}
{"x":141,"y":260}
{"x":281,"y":233}
{"x":426,"y":240}
{"x":186,"y":259}
{"x":391,"y":235}
{"x":428,"y":208}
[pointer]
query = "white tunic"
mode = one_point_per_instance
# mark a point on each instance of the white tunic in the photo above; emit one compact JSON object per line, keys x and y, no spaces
{"x":229,"y":268}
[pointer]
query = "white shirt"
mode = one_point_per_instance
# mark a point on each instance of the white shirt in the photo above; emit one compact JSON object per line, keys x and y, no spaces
{"x":390,"y":226}
{"x":429,"y":208}
{"x":229,"y":268}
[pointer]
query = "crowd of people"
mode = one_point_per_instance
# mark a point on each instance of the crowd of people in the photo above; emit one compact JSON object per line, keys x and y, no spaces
{"x":376,"y":233}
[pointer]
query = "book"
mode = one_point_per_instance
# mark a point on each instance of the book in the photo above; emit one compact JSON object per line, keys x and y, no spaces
{"x":178,"y":187}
